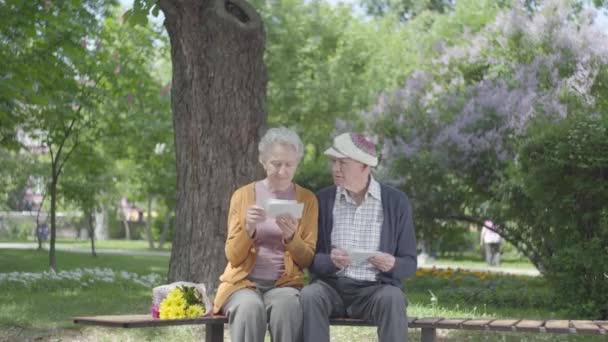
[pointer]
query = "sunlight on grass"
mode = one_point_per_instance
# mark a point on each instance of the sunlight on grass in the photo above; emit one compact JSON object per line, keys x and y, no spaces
{"x":43,"y":310}
{"x":139,"y":245}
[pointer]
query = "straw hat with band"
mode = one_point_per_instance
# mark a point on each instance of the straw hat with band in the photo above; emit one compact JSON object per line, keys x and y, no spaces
{"x":354,"y":146}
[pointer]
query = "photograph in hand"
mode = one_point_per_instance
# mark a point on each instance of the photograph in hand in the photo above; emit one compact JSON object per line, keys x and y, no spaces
{"x":276,"y":207}
{"x":359,"y":256}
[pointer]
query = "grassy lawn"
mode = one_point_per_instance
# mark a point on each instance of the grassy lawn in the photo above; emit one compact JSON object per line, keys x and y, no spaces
{"x":41,"y":309}
{"x":474,"y":260}
{"x":36,"y":261}
{"x":133,"y":245}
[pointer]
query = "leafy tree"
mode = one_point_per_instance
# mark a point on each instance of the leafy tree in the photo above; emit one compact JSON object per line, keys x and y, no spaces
{"x":85,"y":180}
{"x":59,"y":81}
{"x":405,"y":9}
{"x":557,"y":198}
{"x":469,"y":138}
{"x":324,"y":65}
{"x":218,"y":98}
{"x":143,"y":143}
{"x":78,"y":60}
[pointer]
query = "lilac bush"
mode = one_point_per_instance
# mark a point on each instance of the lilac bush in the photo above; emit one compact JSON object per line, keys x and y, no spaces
{"x":455,"y":136}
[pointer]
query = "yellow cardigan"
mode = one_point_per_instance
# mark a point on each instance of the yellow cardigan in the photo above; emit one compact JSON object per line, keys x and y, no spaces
{"x":241,"y":250}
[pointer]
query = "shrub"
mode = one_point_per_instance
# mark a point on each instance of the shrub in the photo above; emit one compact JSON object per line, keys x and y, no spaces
{"x":562,"y":208}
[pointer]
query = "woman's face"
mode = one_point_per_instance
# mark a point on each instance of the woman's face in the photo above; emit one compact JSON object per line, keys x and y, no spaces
{"x":280,"y":162}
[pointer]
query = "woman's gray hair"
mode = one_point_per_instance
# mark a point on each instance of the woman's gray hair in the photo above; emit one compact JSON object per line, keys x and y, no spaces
{"x":284,"y":136}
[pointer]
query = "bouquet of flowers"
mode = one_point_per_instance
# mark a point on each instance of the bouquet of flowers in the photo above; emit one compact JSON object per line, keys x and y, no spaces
{"x":180,"y":300}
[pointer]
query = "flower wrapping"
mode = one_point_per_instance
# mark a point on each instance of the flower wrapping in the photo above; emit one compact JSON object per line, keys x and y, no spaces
{"x":180,"y":300}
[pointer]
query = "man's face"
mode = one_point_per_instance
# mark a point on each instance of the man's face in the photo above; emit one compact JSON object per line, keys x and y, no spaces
{"x":348,"y":173}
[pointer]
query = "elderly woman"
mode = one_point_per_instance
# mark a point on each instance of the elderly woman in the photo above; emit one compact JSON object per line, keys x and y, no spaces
{"x":266,"y":255}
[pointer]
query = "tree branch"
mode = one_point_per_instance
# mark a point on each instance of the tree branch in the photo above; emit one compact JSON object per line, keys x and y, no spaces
{"x":514,"y":239}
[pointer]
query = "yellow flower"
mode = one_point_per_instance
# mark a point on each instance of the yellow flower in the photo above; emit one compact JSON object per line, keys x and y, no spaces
{"x":175,"y":294}
{"x":175,"y":306}
{"x":194,"y":311}
{"x":179,"y":313}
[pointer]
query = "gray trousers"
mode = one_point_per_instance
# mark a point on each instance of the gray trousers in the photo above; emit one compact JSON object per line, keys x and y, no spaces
{"x":383,"y":305}
{"x":493,"y":254}
{"x":248,"y":311}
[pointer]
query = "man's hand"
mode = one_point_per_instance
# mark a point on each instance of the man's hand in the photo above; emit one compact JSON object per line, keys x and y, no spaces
{"x":383,"y":261}
{"x":288,"y":225}
{"x":340,"y":258}
{"x":255,"y":215}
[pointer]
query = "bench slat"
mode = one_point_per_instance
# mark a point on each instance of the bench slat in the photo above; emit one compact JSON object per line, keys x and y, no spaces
{"x":449,"y":323}
{"x":529,"y":325}
{"x":587,"y":327}
{"x":557,"y":326}
{"x":351,"y":322}
{"x":476,"y":324}
{"x":140,"y":321}
{"x":217,"y":323}
{"x":503,"y":324}
{"x":425,"y":322}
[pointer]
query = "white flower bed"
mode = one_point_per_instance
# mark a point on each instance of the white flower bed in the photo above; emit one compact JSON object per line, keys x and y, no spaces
{"x":83,"y":276}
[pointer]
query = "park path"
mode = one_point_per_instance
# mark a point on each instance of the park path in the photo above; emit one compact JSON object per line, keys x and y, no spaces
{"x":68,"y":248}
{"x":499,"y":269}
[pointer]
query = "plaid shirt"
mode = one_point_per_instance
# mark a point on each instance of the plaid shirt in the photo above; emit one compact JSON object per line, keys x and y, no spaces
{"x":358,"y":227}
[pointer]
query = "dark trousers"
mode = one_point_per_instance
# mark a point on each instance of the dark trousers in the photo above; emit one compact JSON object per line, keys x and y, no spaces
{"x":383,"y":305}
{"x":492,"y":254}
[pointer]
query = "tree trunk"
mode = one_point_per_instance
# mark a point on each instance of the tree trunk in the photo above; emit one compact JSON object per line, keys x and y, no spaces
{"x":101,"y":224}
{"x":163,"y":235}
{"x":91,"y":227}
{"x":125,"y":222}
{"x":53,"y":191}
{"x":149,"y":223}
{"x":219,"y":112}
{"x":38,"y":222}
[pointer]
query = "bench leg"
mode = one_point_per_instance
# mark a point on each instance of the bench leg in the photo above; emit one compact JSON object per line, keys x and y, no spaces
{"x":214,"y":333}
{"x":429,"y":335}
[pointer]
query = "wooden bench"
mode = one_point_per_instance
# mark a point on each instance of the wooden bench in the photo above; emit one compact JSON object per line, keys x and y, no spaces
{"x":214,"y":331}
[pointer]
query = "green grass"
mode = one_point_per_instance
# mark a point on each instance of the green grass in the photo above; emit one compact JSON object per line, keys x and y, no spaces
{"x":508,"y":260}
{"x":12,"y":260}
{"x":470,"y":261}
{"x":134,"y":245}
{"x":43,"y":311}
{"x":131,"y":245}
{"x":46,"y":309}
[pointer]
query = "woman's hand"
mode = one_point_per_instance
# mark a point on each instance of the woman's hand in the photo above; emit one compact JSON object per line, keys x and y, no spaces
{"x":288,"y":225}
{"x":255,"y":215}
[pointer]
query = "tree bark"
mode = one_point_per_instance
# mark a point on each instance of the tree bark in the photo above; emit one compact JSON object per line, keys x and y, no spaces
{"x":163,"y":235}
{"x":219,"y":112}
{"x":53,"y":191}
{"x":101,"y":224}
{"x":125,"y":223}
{"x":91,"y":228}
{"x":149,"y":223}
{"x":38,"y":222}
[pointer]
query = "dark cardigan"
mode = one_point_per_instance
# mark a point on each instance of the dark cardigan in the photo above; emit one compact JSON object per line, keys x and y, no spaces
{"x":397,"y":237}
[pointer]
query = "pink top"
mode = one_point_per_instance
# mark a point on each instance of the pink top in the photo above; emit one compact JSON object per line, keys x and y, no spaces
{"x":270,"y":260}
{"x":487,"y":235}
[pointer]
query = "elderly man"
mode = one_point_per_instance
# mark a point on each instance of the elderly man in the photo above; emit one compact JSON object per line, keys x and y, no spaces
{"x":365,"y":247}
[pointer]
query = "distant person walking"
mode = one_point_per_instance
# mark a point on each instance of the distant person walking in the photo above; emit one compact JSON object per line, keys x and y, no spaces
{"x":491,"y":242}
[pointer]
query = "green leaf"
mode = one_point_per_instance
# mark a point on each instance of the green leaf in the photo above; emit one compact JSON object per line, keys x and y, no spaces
{"x":155,"y":10}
